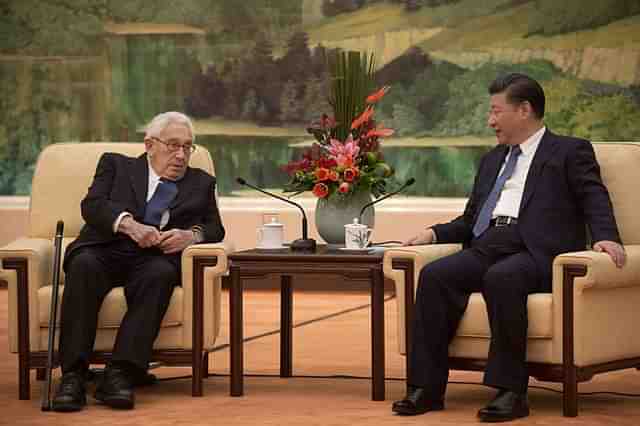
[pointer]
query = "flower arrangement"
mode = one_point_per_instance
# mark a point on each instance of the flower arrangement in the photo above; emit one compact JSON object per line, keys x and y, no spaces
{"x":332,"y":166}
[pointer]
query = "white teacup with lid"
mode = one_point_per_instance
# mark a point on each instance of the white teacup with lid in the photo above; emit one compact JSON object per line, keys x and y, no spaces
{"x":271,"y":235}
{"x":356,"y":235}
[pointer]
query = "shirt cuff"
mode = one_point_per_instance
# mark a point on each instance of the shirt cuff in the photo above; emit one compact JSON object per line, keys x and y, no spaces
{"x":116,"y":224}
{"x":435,"y":236}
{"x":198,"y":234}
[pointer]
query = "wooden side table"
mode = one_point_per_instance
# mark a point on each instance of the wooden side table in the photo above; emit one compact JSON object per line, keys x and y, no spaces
{"x":287,"y":264}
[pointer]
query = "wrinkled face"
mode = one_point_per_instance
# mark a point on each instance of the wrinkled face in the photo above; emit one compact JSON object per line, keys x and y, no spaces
{"x":169,"y":154}
{"x":509,"y":121}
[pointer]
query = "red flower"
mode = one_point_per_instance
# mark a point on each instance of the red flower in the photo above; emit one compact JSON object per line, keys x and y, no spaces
{"x":320,"y":190}
{"x":333,"y":175}
{"x":351,"y":174}
{"x":376,"y":96}
{"x":321,"y":174}
{"x":344,"y":188}
{"x":294,"y":166}
{"x":379,"y":132}
{"x":327,"y":163}
{"x":363,"y":118}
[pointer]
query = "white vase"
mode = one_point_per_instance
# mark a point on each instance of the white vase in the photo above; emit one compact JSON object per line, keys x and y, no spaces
{"x":334,"y":212}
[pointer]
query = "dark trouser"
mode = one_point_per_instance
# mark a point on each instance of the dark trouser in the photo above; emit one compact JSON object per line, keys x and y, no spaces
{"x":148,"y":277}
{"x":499,"y":266}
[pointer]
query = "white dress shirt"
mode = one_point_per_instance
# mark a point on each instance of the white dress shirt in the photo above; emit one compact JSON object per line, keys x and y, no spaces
{"x":154,"y":180}
{"x":511,"y":195}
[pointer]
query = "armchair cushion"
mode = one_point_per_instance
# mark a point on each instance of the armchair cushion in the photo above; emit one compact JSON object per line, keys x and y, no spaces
{"x":113,"y":308}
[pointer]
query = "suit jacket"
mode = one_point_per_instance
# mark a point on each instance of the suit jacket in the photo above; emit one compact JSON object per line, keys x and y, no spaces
{"x":562,"y":193}
{"x":121,"y":184}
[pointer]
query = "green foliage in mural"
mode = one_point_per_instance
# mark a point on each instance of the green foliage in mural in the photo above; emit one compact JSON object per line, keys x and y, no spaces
{"x":258,"y":64}
{"x":467,"y":106}
{"x":557,"y":17}
{"x":24,"y":125}
{"x":592,"y":110}
{"x":74,"y":27}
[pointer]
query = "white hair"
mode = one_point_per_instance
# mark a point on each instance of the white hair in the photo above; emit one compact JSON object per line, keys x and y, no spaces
{"x":161,"y":121}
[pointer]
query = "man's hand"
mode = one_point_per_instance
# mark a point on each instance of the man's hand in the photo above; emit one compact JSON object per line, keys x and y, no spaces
{"x":144,"y":235}
{"x":424,"y":237}
{"x":175,"y":240}
{"x":613,"y":249}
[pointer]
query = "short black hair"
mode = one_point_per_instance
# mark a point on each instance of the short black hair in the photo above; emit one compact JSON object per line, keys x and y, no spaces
{"x":520,"y":88}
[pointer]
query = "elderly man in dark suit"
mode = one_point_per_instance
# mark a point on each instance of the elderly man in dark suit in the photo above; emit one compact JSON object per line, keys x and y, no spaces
{"x":140,"y":214}
{"x":532,"y":197}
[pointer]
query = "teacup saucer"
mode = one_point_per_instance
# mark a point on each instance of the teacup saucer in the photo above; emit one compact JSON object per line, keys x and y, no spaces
{"x":271,"y":248}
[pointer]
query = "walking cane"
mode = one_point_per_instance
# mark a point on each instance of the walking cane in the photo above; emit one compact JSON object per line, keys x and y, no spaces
{"x":57,"y":254}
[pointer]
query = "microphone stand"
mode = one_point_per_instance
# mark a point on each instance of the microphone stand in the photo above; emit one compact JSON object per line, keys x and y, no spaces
{"x":407,"y":184}
{"x":301,"y":244}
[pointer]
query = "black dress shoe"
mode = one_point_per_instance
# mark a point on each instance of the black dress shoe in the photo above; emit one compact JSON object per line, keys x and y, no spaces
{"x":71,"y":392}
{"x":116,"y":389}
{"x":416,"y":403}
{"x":143,"y":378}
{"x":506,"y":406}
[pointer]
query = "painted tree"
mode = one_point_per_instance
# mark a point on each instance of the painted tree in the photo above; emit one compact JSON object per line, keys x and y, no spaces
{"x":250,"y":105}
{"x":412,"y":5}
{"x":315,"y":99}
{"x":290,"y":107}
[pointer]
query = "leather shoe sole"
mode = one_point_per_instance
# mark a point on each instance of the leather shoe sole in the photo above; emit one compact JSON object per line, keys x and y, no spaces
{"x":492,"y":416}
{"x":68,"y":404}
{"x":407,"y":408}
{"x":115,"y":401}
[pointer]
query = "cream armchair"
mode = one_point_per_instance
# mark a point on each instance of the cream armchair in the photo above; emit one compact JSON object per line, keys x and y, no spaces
{"x":587,"y":325}
{"x":189,"y":329}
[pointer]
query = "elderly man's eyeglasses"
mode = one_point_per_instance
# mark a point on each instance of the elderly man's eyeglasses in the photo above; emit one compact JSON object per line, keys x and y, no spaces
{"x":172,"y":146}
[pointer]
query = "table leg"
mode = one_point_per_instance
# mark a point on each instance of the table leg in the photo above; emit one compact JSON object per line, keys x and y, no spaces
{"x":286,"y":326}
{"x":377,"y":334}
{"x":235,"y":325}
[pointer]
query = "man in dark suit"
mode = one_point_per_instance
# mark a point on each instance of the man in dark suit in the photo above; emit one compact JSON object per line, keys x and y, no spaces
{"x":140,"y":214}
{"x":532,"y":196}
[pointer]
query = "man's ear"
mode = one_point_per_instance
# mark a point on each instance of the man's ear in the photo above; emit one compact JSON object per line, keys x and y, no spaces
{"x":526,"y":109}
{"x":148,"y":143}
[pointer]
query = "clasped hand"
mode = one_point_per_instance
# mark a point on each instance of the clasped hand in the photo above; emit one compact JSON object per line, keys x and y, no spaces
{"x":171,"y":241}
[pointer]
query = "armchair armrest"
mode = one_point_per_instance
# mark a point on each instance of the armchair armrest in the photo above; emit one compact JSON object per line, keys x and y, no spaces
{"x":601,"y":272}
{"x":217,"y":250}
{"x":31,"y":260}
{"x":36,"y":252}
{"x":594,"y":307}
{"x":202,"y":268}
{"x":421,"y":255}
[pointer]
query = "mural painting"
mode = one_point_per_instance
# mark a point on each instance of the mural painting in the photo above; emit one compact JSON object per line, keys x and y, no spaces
{"x":253,"y":75}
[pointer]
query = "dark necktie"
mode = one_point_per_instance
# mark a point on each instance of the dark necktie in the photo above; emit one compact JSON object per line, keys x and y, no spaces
{"x":482,"y":223}
{"x":165,"y":193}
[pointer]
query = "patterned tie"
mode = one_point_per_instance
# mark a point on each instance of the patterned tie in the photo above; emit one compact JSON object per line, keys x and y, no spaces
{"x":165,"y":193}
{"x":482,"y":223}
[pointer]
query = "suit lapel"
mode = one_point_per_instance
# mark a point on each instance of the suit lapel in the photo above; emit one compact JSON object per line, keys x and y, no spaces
{"x":494,"y":163}
{"x":490,"y":170}
{"x":140,"y":180}
{"x":184,"y":188}
{"x":544,"y":152}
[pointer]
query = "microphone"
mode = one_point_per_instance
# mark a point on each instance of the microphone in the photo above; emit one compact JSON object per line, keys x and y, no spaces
{"x":301,"y":244}
{"x":407,"y":184}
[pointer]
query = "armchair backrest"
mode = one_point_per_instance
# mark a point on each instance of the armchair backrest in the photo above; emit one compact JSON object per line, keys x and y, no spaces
{"x":620,"y":168}
{"x":62,"y":177}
